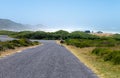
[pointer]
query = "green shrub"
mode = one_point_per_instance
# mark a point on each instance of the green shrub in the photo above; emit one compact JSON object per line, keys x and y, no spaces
{"x":116,"y":59}
{"x":101,"y":51}
{"x":1,"y":47}
{"x":36,"y":43}
{"x":102,"y":42}
{"x":78,"y":43}
{"x":8,"y":46}
{"x":24,"y":42}
{"x":16,"y":43}
{"x":108,"y":55}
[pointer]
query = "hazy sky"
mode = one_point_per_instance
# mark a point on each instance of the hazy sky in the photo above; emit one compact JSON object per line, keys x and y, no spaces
{"x":101,"y":15}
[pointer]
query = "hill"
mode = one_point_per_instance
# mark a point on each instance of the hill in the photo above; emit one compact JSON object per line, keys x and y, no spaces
{"x":6,"y":24}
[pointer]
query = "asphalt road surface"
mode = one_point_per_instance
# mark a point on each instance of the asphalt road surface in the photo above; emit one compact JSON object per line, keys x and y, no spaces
{"x":5,"y":38}
{"x":47,"y":61}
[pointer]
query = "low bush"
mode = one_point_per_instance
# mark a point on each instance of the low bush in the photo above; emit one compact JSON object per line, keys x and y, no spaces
{"x":16,"y":43}
{"x":8,"y":46}
{"x":116,"y":59}
{"x":107,"y":54}
{"x":77,"y":43}
{"x":35,"y":43}
{"x":1,"y":47}
{"x":101,"y":51}
{"x":102,"y":42}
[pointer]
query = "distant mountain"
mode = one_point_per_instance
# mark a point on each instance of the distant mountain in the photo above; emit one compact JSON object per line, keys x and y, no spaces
{"x":6,"y":24}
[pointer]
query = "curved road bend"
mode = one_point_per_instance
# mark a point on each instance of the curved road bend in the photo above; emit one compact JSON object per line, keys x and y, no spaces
{"x":47,"y":61}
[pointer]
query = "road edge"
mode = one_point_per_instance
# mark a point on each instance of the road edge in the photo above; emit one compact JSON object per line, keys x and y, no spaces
{"x":16,"y":50}
{"x":81,"y":60}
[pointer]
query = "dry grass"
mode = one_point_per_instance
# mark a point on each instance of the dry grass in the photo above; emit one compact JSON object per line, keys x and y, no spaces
{"x":13,"y":51}
{"x":101,"y":68}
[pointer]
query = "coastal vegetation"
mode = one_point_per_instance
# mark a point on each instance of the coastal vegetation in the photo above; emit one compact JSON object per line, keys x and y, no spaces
{"x":100,"y":53}
{"x":16,"y":43}
{"x":61,"y":34}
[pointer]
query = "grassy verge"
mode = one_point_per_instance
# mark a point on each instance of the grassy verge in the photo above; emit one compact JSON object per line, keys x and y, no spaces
{"x":102,"y":68}
{"x":11,"y":47}
{"x":108,"y":54}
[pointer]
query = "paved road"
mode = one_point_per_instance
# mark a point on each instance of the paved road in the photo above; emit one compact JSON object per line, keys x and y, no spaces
{"x":5,"y":38}
{"x":47,"y":61}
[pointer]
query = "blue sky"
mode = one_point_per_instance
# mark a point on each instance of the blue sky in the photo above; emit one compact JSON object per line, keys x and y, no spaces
{"x":96,"y":15}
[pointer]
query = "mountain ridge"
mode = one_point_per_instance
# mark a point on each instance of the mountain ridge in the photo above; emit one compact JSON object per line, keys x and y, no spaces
{"x":6,"y":24}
